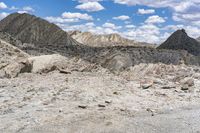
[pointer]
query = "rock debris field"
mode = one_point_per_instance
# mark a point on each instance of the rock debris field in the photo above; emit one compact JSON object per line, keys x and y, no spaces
{"x":85,"y":101}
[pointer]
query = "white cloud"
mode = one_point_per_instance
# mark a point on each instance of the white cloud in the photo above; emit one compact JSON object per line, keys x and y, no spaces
{"x":130,"y":26}
{"x":111,"y":26}
{"x":13,"y":8}
{"x":28,"y":9}
{"x":90,"y":24}
{"x":90,"y":6}
{"x":151,"y":3}
{"x":3,"y":5}
{"x":122,"y":17}
{"x":148,"y":11}
{"x":21,"y":12}
{"x":3,"y":15}
{"x":144,"y":33}
{"x":84,"y":1}
{"x":61,"y":20}
{"x":186,"y":11}
{"x":89,"y":27}
{"x":155,"y":19}
{"x":69,"y":15}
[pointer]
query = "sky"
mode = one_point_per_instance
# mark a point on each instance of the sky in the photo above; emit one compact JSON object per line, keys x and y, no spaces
{"x":150,"y":21}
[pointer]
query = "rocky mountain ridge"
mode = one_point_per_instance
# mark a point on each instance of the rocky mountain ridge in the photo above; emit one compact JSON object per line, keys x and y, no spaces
{"x":100,"y":40}
{"x":113,"y":57}
{"x":31,"y":29}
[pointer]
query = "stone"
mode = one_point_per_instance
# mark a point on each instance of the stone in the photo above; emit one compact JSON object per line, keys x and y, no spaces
{"x":117,"y":62}
{"x":14,"y":69}
{"x":82,"y":106}
{"x":185,"y":87}
{"x":169,"y":87}
{"x":101,"y":105}
{"x":108,"y":101}
{"x":48,"y":63}
{"x":187,"y":81}
{"x":2,"y":74}
{"x":146,"y":84}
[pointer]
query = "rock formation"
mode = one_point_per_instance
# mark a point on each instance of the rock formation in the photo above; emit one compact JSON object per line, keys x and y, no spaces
{"x":179,"y":40}
{"x":10,"y":53}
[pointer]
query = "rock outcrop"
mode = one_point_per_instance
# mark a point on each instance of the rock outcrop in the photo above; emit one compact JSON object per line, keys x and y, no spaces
{"x":10,"y":53}
{"x":117,"y":62}
{"x":179,"y":40}
{"x":15,"y":68}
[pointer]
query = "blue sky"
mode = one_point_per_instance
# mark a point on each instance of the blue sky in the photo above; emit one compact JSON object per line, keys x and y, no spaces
{"x":142,"y":20}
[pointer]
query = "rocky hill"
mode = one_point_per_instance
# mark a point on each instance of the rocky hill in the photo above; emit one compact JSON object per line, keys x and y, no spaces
{"x":36,"y":36}
{"x":179,"y":40}
{"x":99,"y":40}
{"x":34,"y":30}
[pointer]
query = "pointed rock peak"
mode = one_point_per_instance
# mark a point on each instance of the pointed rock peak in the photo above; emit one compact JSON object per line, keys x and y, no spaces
{"x":179,"y":40}
{"x":181,"y":32}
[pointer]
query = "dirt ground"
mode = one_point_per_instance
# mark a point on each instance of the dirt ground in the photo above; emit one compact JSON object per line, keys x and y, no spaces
{"x":150,"y":101}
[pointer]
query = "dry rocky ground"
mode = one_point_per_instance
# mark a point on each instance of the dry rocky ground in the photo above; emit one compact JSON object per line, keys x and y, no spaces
{"x":97,"y":100}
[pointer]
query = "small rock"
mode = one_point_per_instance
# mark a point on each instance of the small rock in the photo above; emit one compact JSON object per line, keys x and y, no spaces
{"x":168,"y":87}
{"x":185,"y":87}
{"x":2,"y":74}
{"x":108,"y":101}
{"x":122,"y":109}
{"x":82,"y":106}
{"x":151,"y":111}
{"x":146,"y":84}
{"x":116,"y":93}
{"x":64,"y":71}
{"x":101,"y":105}
{"x":188,"y":81}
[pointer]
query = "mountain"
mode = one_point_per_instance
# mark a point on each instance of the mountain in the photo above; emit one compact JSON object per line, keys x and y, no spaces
{"x":36,"y":36}
{"x":179,"y":40}
{"x":100,"y":40}
{"x":36,"y":32}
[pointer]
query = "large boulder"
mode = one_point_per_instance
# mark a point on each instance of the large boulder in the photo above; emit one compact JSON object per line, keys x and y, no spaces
{"x":15,"y":68}
{"x":48,"y":63}
{"x":117,"y":62}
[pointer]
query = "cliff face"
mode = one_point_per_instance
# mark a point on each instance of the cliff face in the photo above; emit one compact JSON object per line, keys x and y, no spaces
{"x":179,"y":40}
